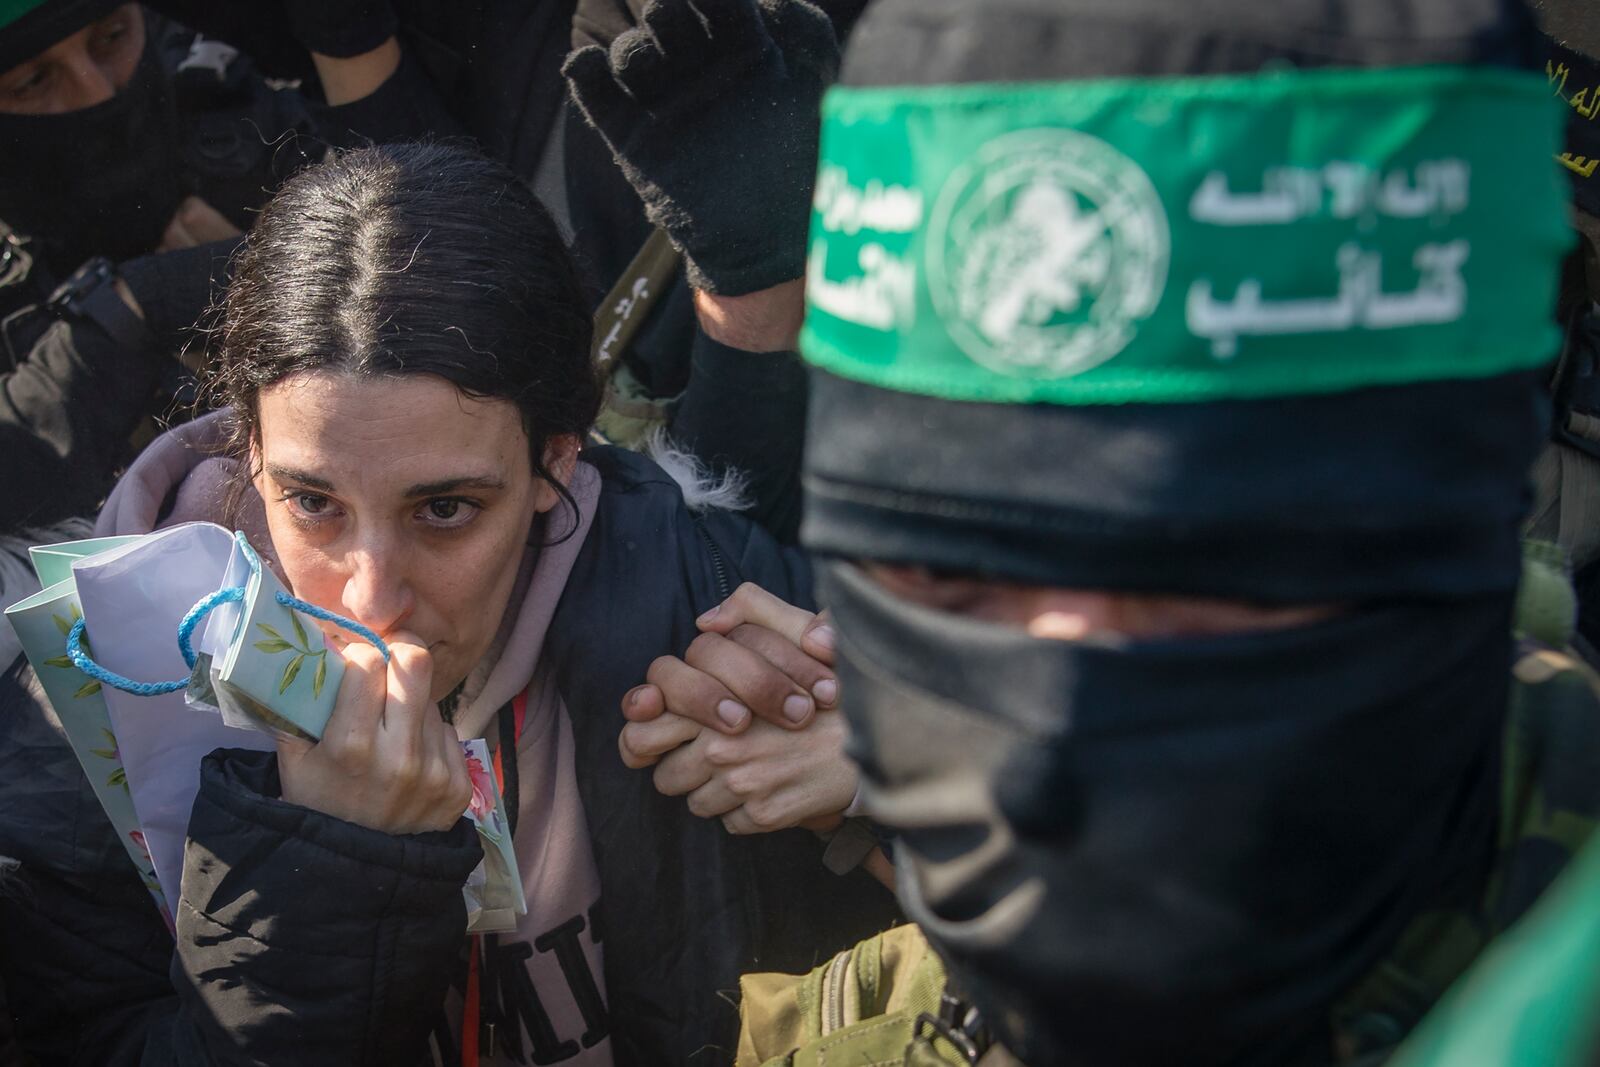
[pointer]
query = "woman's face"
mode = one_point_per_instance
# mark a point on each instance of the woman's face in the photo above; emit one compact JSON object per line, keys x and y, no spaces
{"x":402,"y":504}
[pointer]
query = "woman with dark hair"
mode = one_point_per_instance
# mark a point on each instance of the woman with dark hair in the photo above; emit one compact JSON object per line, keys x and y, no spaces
{"x":405,"y":363}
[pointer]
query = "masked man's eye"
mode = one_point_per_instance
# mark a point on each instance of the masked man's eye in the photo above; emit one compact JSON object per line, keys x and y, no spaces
{"x":938,"y":589}
{"x":28,"y":86}
{"x":114,"y":26}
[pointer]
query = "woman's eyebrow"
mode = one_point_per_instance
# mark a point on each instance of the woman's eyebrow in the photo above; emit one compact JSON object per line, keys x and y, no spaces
{"x":448,"y":485}
{"x":299,"y":477}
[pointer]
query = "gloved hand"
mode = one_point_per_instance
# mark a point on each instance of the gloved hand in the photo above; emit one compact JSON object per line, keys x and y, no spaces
{"x":341,"y":28}
{"x":711,"y":109}
{"x":603,"y":21}
{"x":178,"y":290}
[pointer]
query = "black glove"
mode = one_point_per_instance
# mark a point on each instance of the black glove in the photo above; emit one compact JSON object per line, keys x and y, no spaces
{"x":603,"y":21}
{"x":177,"y":291}
{"x":341,"y":28}
{"x":711,"y":109}
{"x":599,"y":22}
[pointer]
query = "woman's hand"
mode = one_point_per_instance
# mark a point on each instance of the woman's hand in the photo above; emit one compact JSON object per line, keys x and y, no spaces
{"x":755,"y":654}
{"x":761,"y":780}
{"x":782,"y":766}
{"x":387,"y":760}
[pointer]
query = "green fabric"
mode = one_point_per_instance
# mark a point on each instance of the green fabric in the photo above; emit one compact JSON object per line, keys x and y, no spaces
{"x":1187,"y":239}
{"x":12,"y":10}
{"x":861,"y":1007}
{"x":1534,"y":1000}
{"x":630,"y":416}
{"x":1547,"y":606}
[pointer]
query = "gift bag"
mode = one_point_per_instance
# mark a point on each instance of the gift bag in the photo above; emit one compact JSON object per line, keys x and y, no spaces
{"x":53,"y":563}
{"x":42,"y":622}
{"x":191,"y":644}
{"x":134,"y":598}
{"x":494,"y":889}
{"x":255,"y":661}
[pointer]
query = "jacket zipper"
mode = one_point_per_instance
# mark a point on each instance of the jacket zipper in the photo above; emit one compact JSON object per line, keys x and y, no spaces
{"x":719,"y":565}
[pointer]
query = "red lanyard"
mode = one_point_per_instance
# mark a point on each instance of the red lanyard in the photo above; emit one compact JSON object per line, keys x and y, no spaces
{"x":471,"y":1009}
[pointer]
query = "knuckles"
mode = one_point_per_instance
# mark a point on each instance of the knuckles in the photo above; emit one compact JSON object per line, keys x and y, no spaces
{"x":743,"y":782}
{"x":362,"y":659}
{"x":746,"y":599}
{"x":457,"y":796}
{"x":352,"y":756}
{"x":703,"y":649}
{"x":658,"y":668}
{"x":667,"y":782}
{"x":765,"y":816}
{"x":435,"y":780}
{"x":413,"y":663}
{"x":724,"y":751}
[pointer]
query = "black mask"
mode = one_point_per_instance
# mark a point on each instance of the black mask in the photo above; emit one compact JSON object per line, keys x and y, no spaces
{"x":1176,"y":851}
{"x":103,"y":180}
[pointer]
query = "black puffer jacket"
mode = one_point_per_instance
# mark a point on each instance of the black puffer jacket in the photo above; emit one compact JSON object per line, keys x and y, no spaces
{"x":305,"y":940}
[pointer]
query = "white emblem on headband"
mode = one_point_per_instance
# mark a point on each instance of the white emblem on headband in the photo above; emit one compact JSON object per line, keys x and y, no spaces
{"x":1044,"y":253}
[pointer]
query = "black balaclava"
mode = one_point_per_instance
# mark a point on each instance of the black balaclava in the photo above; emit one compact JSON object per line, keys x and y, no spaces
{"x":28,"y":27}
{"x":103,"y":180}
{"x":1177,"y":851}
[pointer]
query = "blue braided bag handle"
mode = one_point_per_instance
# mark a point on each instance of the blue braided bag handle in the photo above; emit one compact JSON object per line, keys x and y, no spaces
{"x":197,"y":614}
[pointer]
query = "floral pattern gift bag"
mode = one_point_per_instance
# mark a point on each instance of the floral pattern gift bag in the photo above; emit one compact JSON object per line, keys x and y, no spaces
{"x":155,"y":650}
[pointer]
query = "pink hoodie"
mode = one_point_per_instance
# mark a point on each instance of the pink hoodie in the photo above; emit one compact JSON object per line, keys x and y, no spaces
{"x":554,"y":944}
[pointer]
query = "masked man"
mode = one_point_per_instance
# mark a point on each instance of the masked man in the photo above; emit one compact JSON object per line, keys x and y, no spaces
{"x":1174,"y":615}
{"x":126,"y":139}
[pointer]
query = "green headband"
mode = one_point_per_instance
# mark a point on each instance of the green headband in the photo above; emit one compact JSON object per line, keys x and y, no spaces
{"x":1187,"y":239}
{"x":12,"y":10}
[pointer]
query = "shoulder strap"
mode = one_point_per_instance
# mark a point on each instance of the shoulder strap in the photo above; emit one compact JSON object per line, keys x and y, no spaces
{"x":509,"y":722}
{"x":631,"y":299}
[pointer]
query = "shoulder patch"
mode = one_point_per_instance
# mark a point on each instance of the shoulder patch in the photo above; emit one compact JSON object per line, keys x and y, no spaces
{"x":208,"y":54}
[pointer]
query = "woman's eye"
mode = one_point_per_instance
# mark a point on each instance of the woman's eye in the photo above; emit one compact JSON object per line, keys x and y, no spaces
{"x":448,"y":512}
{"x":309,"y":505}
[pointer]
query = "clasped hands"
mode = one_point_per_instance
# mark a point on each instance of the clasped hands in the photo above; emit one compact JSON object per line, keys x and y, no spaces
{"x":745,"y":725}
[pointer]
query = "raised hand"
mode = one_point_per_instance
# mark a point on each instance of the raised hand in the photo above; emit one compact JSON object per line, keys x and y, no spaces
{"x":711,"y":108}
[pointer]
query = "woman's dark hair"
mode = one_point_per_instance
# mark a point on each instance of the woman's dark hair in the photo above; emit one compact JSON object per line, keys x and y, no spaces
{"x":412,"y":259}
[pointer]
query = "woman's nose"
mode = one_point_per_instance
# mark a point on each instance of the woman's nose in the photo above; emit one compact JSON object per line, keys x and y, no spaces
{"x":377,"y":593}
